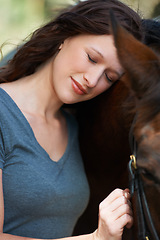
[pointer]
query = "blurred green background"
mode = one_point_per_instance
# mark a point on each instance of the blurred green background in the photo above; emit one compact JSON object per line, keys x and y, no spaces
{"x":18,"y":18}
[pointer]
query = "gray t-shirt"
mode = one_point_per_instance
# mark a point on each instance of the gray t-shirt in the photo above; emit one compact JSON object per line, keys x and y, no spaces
{"x":42,"y":198}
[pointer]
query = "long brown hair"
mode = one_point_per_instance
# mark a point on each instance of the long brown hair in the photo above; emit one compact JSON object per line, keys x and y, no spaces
{"x":91,"y":16}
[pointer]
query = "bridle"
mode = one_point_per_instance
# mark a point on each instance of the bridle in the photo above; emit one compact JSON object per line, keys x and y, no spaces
{"x":146,"y":228}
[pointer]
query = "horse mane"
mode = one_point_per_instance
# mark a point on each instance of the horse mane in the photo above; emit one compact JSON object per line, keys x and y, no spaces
{"x":149,"y":105}
{"x":152,"y":33}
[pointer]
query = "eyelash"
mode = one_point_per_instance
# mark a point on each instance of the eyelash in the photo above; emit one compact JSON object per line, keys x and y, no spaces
{"x":110,"y":80}
{"x":93,"y":61}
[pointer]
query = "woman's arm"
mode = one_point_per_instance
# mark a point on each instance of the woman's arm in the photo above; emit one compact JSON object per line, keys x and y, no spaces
{"x":114,"y":214}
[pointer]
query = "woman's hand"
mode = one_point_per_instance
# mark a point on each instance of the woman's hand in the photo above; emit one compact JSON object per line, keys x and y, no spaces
{"x":114,"y":214}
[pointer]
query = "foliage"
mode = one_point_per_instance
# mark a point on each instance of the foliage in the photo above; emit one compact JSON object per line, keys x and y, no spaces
{"x":21,"y":17}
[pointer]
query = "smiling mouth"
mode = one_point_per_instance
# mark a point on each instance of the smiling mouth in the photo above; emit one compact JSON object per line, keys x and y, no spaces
{"x":77,"y":87}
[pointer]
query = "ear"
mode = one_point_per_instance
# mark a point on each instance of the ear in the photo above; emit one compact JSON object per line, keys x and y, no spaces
{"x":139,"y":61}
{"x":60,"y":47}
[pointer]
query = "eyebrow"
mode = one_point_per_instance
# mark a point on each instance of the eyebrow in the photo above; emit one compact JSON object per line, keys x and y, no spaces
{"x":119,"y":74}
{"x":97,"y":52}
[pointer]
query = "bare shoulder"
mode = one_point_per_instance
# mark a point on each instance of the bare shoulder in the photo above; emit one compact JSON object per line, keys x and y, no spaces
{"x":8,"y":87}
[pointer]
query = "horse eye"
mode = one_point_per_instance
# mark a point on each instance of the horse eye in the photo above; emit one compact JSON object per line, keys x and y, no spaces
{"x":147,"y":174}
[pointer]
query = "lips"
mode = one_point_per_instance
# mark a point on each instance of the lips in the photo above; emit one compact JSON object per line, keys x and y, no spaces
{"x":77,"y":87}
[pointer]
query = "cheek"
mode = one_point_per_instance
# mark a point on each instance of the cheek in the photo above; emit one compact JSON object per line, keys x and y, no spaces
{"x":78,"y":62}
{"x":102,"y":87}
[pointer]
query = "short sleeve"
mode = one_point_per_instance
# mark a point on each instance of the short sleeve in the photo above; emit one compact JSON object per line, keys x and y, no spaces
{"x":2,"y":154}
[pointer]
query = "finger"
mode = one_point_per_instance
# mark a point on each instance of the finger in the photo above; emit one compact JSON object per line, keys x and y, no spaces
{"x":122,"y":210}
{"x":129,"y":224}
{"x":126,"y":193}
{"x":117,"y":226}
{"x":125,"y":220}
{"x":117,"y":203}
{"x":112,"y":196}
{"x":108,"y":213}
{"x":127,"y":190}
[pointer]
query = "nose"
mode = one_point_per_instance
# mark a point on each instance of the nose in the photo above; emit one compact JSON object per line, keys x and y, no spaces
{"x":92,"y":77}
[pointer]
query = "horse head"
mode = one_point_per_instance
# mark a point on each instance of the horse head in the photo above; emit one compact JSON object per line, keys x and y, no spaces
{"x":142,"y":77}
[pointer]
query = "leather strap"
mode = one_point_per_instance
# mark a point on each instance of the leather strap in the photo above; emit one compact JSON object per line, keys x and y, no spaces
{"x":146,"y":228}
{"x":136,"y":196}
{"x":149,"y":221}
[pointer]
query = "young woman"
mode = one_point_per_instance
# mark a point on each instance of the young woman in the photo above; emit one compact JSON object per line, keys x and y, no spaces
{"x":43,"y":187}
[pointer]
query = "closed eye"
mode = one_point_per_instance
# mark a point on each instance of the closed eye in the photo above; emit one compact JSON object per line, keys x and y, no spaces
{"x":90,"y":59}
{"x":106,"y":75}
{"x":108,"y":79}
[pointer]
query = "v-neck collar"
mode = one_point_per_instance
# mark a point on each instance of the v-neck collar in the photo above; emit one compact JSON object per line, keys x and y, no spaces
{"x":7,"y":97}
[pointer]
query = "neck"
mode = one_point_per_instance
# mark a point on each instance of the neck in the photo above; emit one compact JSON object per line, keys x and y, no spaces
{"x":35,"y":93}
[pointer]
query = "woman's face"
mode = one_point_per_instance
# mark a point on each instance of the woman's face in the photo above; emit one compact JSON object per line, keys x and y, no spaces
{"x":85,"y":66}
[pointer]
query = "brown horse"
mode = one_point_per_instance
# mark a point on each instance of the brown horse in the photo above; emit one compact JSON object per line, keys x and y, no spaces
{"x":105,"y":125}
{"x":142,"y":67}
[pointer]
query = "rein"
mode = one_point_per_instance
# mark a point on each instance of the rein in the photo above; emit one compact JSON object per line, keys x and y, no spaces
{"x":146,"y":228}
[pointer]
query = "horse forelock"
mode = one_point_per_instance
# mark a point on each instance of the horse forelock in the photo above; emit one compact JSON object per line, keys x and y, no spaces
{"x":147,"y":104}
{"x":142,"y":67}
